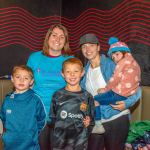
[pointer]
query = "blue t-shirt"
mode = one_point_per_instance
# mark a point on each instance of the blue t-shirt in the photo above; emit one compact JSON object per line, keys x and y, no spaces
{"x":47,"y":75}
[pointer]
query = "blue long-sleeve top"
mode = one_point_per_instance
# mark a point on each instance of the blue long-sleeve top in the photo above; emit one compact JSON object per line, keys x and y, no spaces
{"x":23,"y":116}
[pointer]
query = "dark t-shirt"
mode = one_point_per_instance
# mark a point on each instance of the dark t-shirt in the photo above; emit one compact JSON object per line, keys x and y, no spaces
{"x":67,"y":112}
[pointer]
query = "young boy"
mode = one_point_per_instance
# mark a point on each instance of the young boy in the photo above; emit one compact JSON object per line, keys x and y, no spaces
{"x":22,"y":113}
{"x":72,"y":110}
{"x":125,"y":80}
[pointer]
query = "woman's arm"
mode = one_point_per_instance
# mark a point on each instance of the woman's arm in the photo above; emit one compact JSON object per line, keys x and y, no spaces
{"x":131,"y":100}
{"x":41,"y":114}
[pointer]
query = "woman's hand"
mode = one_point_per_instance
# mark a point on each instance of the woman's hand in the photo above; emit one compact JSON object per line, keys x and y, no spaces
{"x":86,"y":121}
{"x":120,"y":105}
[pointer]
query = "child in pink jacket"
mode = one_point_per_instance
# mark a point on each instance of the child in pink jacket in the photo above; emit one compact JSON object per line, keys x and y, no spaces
{"x":124,"y":82}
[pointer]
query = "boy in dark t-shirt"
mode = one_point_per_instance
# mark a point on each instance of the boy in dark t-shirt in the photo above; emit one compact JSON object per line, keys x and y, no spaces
{"x":72,"y":110}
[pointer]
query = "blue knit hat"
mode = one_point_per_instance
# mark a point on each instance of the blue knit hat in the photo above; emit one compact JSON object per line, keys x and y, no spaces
{"x":116,"y":45}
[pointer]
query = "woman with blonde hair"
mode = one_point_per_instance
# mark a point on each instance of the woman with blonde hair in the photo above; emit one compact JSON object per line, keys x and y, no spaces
{"x":47,"y":66}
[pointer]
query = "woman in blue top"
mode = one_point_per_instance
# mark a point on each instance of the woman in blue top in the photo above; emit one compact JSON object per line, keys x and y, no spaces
{"x":47,"y":66}
{"x":115,"y":118}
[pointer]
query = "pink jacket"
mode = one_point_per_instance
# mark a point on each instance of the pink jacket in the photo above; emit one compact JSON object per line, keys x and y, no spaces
{"x":126,"y":77}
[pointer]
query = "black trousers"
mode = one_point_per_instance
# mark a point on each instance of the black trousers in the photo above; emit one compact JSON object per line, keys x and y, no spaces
{"x":114,"y":138}
{"x":45,"y":138}
{"x":81,"y":147}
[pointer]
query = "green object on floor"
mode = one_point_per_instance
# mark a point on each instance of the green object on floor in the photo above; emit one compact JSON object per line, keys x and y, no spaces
{"x":137,"y":129}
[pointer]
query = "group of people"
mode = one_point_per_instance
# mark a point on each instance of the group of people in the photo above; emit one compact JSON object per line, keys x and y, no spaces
{"x":58,"y":104}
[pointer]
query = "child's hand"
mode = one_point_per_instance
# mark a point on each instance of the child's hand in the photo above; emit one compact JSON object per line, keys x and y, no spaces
{"x":101,"y":90}
{"x":86,"y":121}
{"x":96,"y":103}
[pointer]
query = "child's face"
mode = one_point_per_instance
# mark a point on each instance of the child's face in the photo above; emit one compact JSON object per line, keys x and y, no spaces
{"x":22,"y":80}
{"x":72,"y":74}
{"x":117,"y":56}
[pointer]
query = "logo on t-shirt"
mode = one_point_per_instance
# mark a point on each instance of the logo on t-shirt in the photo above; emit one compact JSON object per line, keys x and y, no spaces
{"x":8,"y":111}
{"x":83,"y":106}
{"x":63,"y":114}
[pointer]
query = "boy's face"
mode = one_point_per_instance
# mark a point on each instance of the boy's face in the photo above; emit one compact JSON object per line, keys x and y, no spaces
{"x":72,"y":74}
{"x":21,"y":80}
{"x":90,"y":51}
{"x":117,"y":56}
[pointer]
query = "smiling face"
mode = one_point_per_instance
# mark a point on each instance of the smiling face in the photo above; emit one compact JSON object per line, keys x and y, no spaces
{"x":72,"y":74}
{"x":117,"y":56}
{"x":22,"y":80}
{"x":56,"y":42}
{"x":90,"y":51}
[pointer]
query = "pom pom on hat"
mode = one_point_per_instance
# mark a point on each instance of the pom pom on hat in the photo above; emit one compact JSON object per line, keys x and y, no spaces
{"x":113,"y":40}
{"x":116,"y":45}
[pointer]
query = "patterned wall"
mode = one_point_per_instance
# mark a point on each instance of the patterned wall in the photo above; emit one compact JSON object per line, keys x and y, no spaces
{"x":23,"y":26}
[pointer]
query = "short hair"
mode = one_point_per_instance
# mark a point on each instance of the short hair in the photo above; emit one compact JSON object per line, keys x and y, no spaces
{"x":66,"y":49}
{"x":22,"y":67}
{"x":72,"y":61}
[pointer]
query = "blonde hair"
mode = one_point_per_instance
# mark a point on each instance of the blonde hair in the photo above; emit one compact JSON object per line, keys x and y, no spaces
{"x":22,"y":67}
{"x":72,"y":61}
{"x":66,"y":48}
